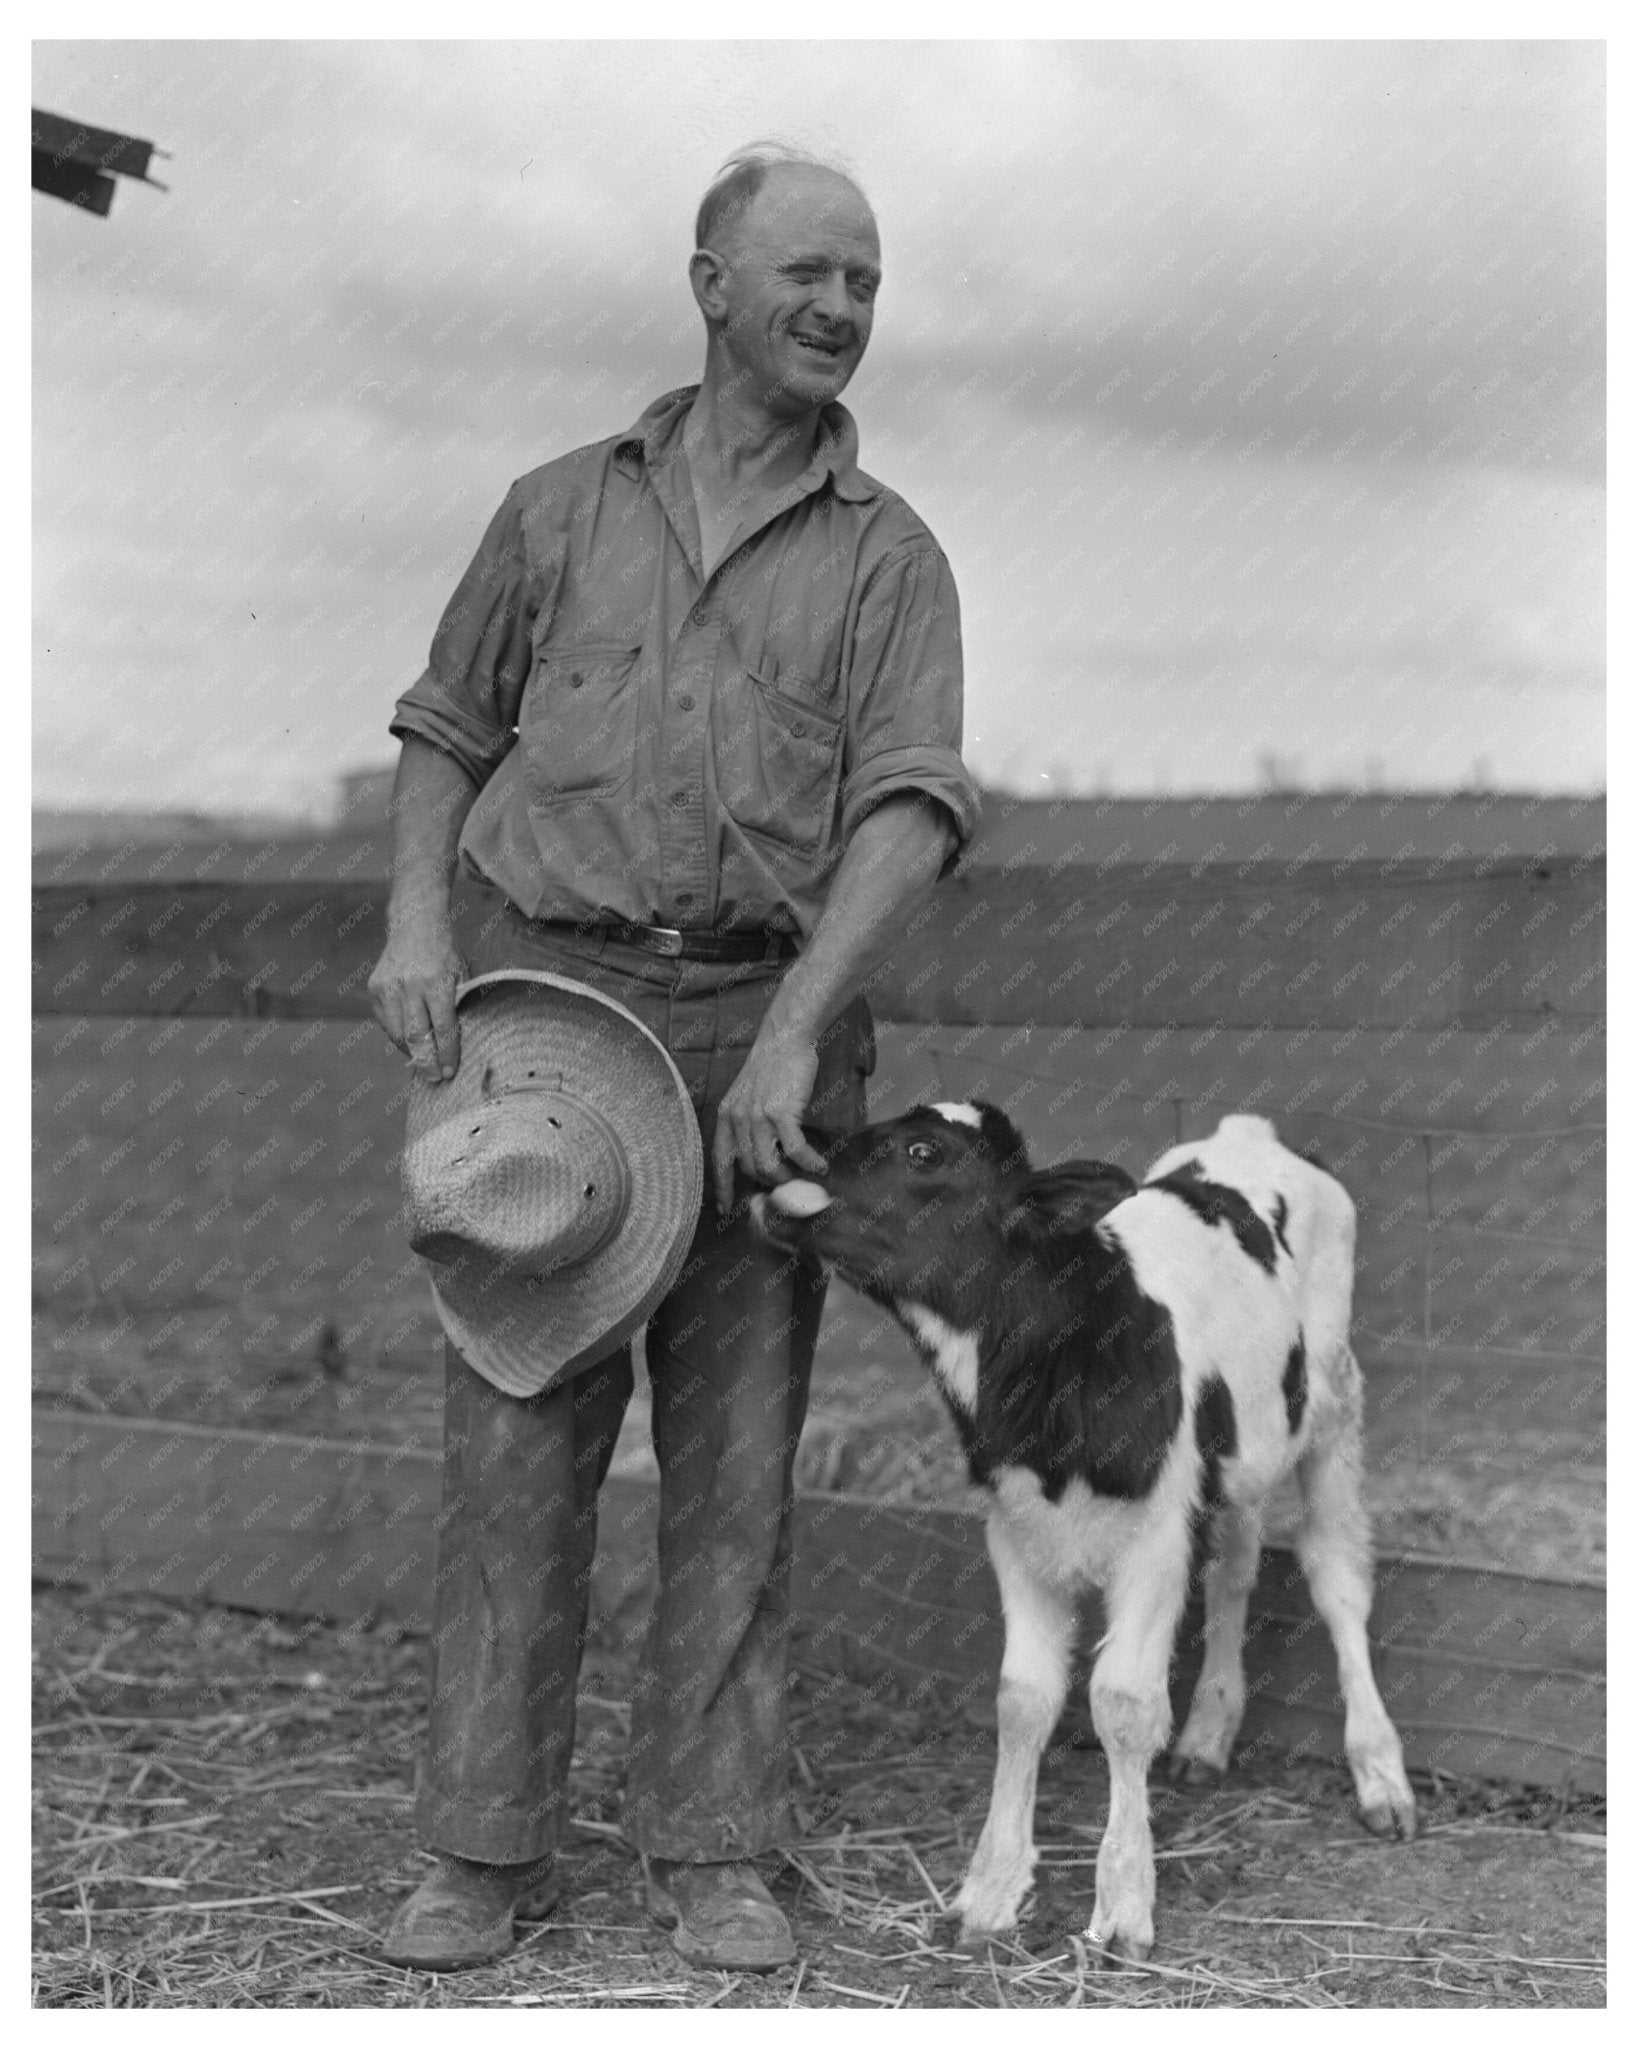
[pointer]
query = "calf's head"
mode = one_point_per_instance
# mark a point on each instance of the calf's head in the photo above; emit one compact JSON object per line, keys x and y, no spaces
{"x":914,"y":1209}
{"x":940,"y":1207}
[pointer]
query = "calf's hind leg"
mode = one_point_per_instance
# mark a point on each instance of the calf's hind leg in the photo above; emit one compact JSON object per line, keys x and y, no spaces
{"x":1219,"y":1702}
{"x":1040,"y":1631}
{"x":1334,"y":1544}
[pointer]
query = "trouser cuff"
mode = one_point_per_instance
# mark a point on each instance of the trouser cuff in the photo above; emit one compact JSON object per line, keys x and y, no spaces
{"x":454,"y":1830}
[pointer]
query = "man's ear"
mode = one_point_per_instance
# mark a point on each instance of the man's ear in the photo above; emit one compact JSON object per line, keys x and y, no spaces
{"x":707,"y":274}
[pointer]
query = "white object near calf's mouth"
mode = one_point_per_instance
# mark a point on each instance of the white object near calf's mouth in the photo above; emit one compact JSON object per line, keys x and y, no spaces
{"x":800,"y":1198}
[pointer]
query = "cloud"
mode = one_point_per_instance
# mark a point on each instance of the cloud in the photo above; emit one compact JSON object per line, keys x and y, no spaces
{"x":1258,"y":307}
{"x":1335,"y":246}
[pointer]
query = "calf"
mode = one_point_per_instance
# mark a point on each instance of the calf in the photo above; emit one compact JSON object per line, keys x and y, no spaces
{"x":1131,"y":1369}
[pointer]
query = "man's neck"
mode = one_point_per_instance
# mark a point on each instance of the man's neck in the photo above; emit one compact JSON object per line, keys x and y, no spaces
{"x":736,"y":445}
{"x":739,"y":460}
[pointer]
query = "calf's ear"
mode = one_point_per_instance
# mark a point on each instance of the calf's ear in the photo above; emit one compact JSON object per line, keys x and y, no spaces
{"x":1068,"y":1198}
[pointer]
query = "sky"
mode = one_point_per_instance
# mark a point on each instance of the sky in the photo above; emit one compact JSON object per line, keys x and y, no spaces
{"x":1254,"y":390}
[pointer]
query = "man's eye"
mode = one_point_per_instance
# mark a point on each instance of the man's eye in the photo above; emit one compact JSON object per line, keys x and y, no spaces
{"x":922,"y":1153}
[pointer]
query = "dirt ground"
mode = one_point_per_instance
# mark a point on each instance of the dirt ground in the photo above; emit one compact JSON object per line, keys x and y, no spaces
{"x":222,"y":1817}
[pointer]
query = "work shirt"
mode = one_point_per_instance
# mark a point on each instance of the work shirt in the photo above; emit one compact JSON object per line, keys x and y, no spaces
{"x":653,"y":744}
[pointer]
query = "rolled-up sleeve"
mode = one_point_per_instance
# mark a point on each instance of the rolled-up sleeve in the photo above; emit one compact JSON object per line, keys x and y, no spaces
{"x":465,"y":701}
{"x":904,"y":694}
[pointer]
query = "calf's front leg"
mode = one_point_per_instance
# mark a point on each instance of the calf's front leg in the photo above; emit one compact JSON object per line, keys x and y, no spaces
{"x":1132,"y":1715}
{"x":1040,"y":1629}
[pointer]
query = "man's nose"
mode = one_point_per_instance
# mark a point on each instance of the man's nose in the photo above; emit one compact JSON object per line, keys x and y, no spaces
{"x":831,"y":299}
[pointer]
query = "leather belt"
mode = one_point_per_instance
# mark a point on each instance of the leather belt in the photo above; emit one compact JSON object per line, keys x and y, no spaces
{"x":673,"y":944}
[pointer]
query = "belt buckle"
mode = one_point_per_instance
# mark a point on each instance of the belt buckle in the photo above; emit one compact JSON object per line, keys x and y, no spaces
{"x":664,"y":939}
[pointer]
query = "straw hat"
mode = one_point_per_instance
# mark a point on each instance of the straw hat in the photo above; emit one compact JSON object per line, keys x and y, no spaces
{"x":554,"y":1184}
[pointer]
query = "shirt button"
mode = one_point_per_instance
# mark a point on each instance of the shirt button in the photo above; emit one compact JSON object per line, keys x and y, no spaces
{"x":685,"y":702}
{"x":798,"y":729}
{"x":678,"y":798}
{"x":576,"y":679}
{"x":685,"y":895}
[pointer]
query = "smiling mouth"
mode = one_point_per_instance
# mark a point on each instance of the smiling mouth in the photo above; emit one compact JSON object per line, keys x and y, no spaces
{"x":828,"y":350}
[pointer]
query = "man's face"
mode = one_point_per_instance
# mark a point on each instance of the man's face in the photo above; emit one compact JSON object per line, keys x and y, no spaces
{"x":803,"y":267}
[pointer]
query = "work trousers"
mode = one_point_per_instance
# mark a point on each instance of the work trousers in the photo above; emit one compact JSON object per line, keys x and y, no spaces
{"x":729,"y":1353}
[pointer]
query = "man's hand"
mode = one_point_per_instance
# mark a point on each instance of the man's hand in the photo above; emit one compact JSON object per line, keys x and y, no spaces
{"x":759,"y":1121}
{"x":412,"y":992}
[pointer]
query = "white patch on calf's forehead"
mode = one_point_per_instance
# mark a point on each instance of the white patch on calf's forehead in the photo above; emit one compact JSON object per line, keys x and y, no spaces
{"x":952,"y":1353}
{"x":958,"y":1113}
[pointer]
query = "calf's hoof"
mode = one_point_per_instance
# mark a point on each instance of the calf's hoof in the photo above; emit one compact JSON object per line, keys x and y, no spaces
{"x":1194,"y":1770}
{"x":990,"y":1904}
{"x":978,"y":1934}
{"x":984,"y":1920}
{"x":1110,"y":1951}
{"x":1387,"y":1805}
{"x":1390,"y":1814}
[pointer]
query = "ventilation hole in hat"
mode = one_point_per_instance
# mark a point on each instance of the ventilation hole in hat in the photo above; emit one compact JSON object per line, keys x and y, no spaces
{"x":590,"y":1191}
{"x":556,"y":1126}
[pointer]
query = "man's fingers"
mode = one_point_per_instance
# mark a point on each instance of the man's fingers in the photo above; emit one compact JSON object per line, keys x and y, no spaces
{"x":748,"y":1141}
{"x":400,"y":1025}
{"x":412,"y":993}
{"x":421,"y":1020}
{"x":759,"y":1151}
{"x":420,"y":1040}
{"x":384,"y":1005}
{"x":446,"y":1029}
{"x":759,"y":1126}
{"x":797,"y":1150}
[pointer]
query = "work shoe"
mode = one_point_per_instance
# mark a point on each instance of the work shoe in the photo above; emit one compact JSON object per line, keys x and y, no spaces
{"x":461,"y":1913}
{"x":721,"y":1915}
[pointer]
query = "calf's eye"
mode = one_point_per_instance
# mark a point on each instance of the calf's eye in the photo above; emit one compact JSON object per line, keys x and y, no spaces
{"x":922,"y":1152}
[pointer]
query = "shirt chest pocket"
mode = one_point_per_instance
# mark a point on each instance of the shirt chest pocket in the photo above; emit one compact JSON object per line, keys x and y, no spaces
{"x":779,"y":760}
{"x":578,"y":725}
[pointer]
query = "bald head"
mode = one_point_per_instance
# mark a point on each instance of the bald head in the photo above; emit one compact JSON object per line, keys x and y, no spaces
{"x":789,"y":177}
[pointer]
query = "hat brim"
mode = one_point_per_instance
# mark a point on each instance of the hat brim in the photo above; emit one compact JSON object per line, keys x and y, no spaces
{"x":520,"y":1026}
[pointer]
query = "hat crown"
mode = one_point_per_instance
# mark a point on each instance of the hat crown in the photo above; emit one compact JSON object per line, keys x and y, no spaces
{"x":559,"y":1087}
{"x":531,"y":1177}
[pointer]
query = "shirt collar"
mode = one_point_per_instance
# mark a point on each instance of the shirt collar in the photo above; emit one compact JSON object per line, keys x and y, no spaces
{"x":652,"y":436}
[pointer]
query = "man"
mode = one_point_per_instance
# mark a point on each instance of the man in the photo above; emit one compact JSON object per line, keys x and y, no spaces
{"x":732,"y":663}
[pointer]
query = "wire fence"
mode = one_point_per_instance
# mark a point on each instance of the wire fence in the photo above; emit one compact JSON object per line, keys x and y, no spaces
{"x":218,"y":1235}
